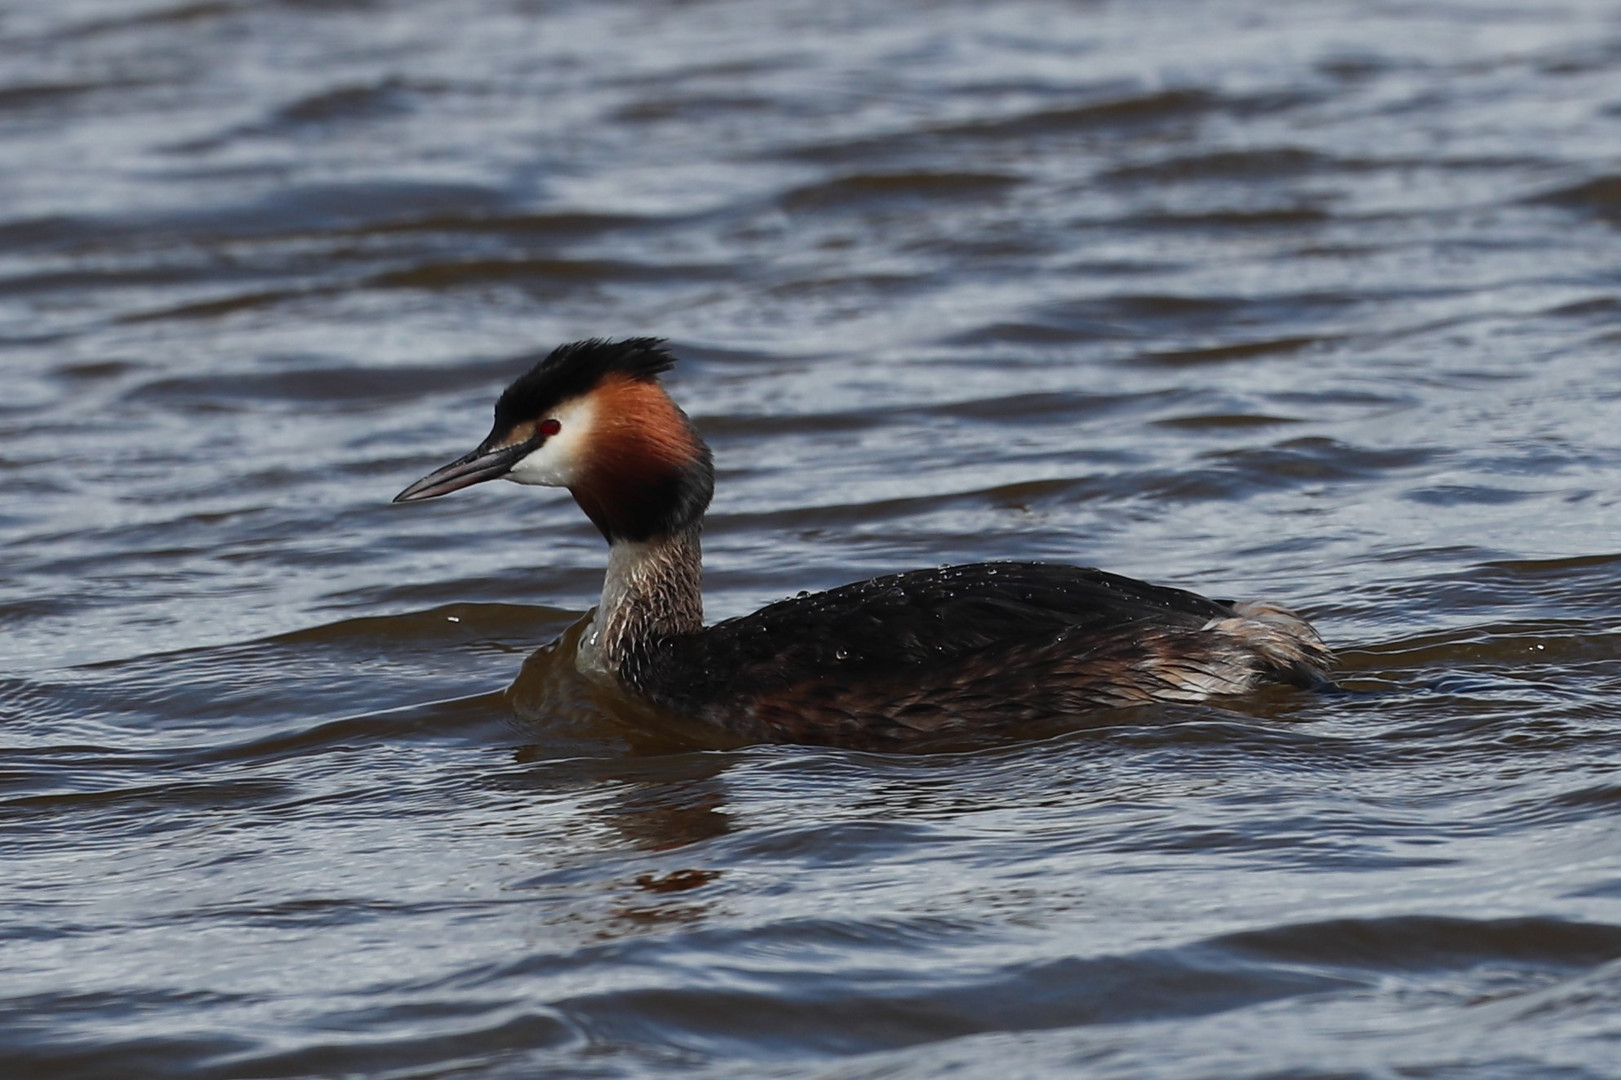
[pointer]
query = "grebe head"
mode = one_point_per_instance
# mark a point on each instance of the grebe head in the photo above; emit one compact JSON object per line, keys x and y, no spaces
{"x":593,"y":418}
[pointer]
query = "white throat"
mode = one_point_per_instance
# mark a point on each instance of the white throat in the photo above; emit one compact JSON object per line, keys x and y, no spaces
{"x":560,"y":459}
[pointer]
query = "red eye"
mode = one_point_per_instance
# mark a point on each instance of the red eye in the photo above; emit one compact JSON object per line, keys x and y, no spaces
{"x":548,"y":428}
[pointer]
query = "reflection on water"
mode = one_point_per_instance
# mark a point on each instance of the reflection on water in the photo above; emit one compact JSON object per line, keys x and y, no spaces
{"x":1310,"y":301}
{"x":554,"y":702}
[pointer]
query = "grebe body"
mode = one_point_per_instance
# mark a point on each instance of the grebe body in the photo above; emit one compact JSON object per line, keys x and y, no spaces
{"x":924,"y":653}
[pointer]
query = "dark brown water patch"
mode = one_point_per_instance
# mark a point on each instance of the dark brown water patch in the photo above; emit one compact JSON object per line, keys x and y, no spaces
{"x":448,"y":626}
{"x":46,"y":1056}
{"x":560,"y":223}
{"x":1137,"y":109}
{"x":229,"y":305}
{"x":1599,"y":197}
{"x":868,"y":187}
{"x":405,"y":1048}
{"x":322,"y":207}
{"x":1553,"y":590}
{"x":1579,"y":566}
{"x":870,"y":511}
{"x":1038,"y":332}
{"x":744,"y":427}
{"x":1040,"y":408}
{"x":1217,"y":422}
{"x":1425,"y":943}
{"x":31,"y":97}
{"x":690,"y":107}
{"x":676,"y":880}
{"x":1446,"y":495}
{"x":339,"y":107}
{"x":170,"y":16}
{"x":144,"y":799}
{"x":546,"y":271}
{"x":1220,"y":354}
{"x":1354,"y":65}
{"x":1291,"y":463}
{"x":838,"y":1014}
{"x":1253,"y":164}
{"x":91,"y":370}
{"x":481,"y":719}
{"x":304,"y":384}
{"x":847,"y":285}
{"x":343,"y":104}
{"x":1111,"y":111}
{"x":100,"y":281}
{"x":1599,"y":307}
{"x":1280,"y":217}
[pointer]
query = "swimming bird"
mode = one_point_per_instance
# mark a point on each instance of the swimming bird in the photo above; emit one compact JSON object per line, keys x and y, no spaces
{"x":949,"y":651}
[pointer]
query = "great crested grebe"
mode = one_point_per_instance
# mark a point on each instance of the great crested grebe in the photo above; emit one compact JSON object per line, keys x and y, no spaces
{"x":928,"y":652}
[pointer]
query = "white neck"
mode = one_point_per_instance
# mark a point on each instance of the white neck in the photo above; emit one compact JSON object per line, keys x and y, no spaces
{"x":651,"y":590}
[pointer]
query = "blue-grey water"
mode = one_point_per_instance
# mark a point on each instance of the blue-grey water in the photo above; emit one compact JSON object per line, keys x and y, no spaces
{"x":1319,"y":301}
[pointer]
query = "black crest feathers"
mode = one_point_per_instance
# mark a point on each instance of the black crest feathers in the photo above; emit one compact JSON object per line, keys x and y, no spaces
{"x":571,"y":370}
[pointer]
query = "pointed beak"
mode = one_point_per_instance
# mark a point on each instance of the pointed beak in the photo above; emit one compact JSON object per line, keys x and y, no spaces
{"x":474,"y":468}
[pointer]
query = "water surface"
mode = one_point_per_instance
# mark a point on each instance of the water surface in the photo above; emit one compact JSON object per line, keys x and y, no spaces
{"x":1313,"y":301}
